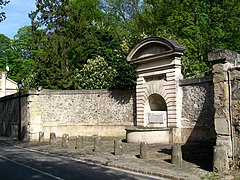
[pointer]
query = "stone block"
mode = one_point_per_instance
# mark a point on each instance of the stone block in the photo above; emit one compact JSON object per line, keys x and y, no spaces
{"x":222,"y":126}
{"x":223,"y":55}
{"x":217,"y":68}
{"x":118,"y":150}
{"x":176,"y":157}
{"x":144,"y":150}
{"x":219,"y":77}
{"x":41,"y":137}
{"x":97,"y":144}
{"x":227,"y":142}
{"x":65,"y":140}
{"x":52,"y":139}
{"x":220,"y":159}
{"x":79,"y":142}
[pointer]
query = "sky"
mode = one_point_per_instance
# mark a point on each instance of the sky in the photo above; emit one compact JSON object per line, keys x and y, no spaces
{"x":17,"y":16}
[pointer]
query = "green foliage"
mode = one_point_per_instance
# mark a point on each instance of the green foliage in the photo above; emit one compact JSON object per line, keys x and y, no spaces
{"x":95,"y":74}
{"x":16,"y":54}
{"x":2,"y":14}
{"x":200,"y":26}
{"x":72,"y":43}
{"x":75,"y":34}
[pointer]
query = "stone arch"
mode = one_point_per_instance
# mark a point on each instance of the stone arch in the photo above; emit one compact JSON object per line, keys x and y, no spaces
{"x":157,"y":103}
{"x":154,"y":46}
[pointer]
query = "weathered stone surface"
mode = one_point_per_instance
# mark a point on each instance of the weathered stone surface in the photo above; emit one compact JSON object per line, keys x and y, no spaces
{"x":197,"y":110}
{"x":97,"y":144}
{"x":176,"y":157}
{"x":218,"y":69}
{"x":86,"y":107}
{"x":69,"y":112}
{"x":220,"y":159}
{"x":118,"y":150}
{"x":52,"y":139}
{"x":222,"y":126}
{"x":41,"y":137}
{"x":65,"y":140}
{"x":79,"y":142}
{"x":198,"y":105}
{"x":144,"y":150}
{"x":226,"y":141}
{"x":224,"y":55}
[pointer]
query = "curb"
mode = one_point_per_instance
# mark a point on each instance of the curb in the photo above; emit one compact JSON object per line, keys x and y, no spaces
{"x":103,"y":163}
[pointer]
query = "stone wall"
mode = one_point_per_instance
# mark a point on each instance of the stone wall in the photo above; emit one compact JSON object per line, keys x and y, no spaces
{"x":197,"y":109}
{"x":96,"y":112}
{"x":235,"y":114}
{"x":100,"y":112}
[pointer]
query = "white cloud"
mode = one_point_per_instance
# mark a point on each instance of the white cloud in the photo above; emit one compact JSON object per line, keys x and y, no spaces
{"x":17,"y":16}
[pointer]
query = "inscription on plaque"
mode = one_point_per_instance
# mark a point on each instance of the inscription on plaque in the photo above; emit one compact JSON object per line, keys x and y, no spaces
{"x":156,"y":118}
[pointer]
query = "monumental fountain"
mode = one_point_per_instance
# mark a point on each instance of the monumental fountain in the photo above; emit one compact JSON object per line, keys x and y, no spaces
{"x":158,"y":95}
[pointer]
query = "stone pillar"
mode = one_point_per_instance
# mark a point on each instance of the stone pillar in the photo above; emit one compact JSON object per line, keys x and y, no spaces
{"x":79,"y":142}
{"x":220,"y":159}
{"x":65,"y":140}
{"x":52,"y":139}
{"x":118,"y":147}
{"x":97,"y":144}
{"x":176,"y":157}
{"x":144,"y":150}
{"x":41,"y":136}
{"x":223,"y":62}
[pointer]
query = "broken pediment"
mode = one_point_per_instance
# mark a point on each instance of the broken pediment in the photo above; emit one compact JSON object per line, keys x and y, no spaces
{"x":154,"y":47}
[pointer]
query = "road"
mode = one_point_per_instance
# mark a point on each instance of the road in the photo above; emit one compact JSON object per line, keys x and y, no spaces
{"x":18,"y":163}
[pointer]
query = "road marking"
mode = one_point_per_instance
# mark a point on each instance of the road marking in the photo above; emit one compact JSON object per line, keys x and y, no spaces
{"x":47,"y":174}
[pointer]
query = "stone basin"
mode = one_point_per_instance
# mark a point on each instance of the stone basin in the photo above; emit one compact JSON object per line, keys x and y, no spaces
{"x":149,"y":135}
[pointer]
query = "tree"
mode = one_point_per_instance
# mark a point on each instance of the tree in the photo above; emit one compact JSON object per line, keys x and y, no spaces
{"x":76,"y":35}
{"x":64,"y":22}
{"x":2,"y":14}
{"x":16,"y":54}
{"x":95,"y":74}
{"x":200,"y":26}
{"x":6,"y":51}
{"x":21,"y":44}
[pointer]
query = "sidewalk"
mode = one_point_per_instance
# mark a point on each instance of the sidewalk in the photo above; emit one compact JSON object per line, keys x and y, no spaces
{"x":158,"y":163}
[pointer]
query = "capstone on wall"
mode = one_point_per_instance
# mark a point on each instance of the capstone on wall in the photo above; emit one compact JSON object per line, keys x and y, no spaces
{"x":197,"y":109}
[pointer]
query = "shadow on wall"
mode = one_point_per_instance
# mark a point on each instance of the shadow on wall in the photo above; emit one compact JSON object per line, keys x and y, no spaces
{"x":124,"y":97}
{"x":199,"y":145}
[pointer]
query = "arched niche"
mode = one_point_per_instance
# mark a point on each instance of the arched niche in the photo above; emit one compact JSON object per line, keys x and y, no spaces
{"x":155,"y":111}
{"x":157,"y":103}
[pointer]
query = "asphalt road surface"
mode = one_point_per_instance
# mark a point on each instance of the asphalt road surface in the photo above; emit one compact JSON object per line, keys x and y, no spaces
{"x":17,"y":163}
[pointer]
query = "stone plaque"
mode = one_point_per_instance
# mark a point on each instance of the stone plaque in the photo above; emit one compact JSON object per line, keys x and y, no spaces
{"x":156,"y":118}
